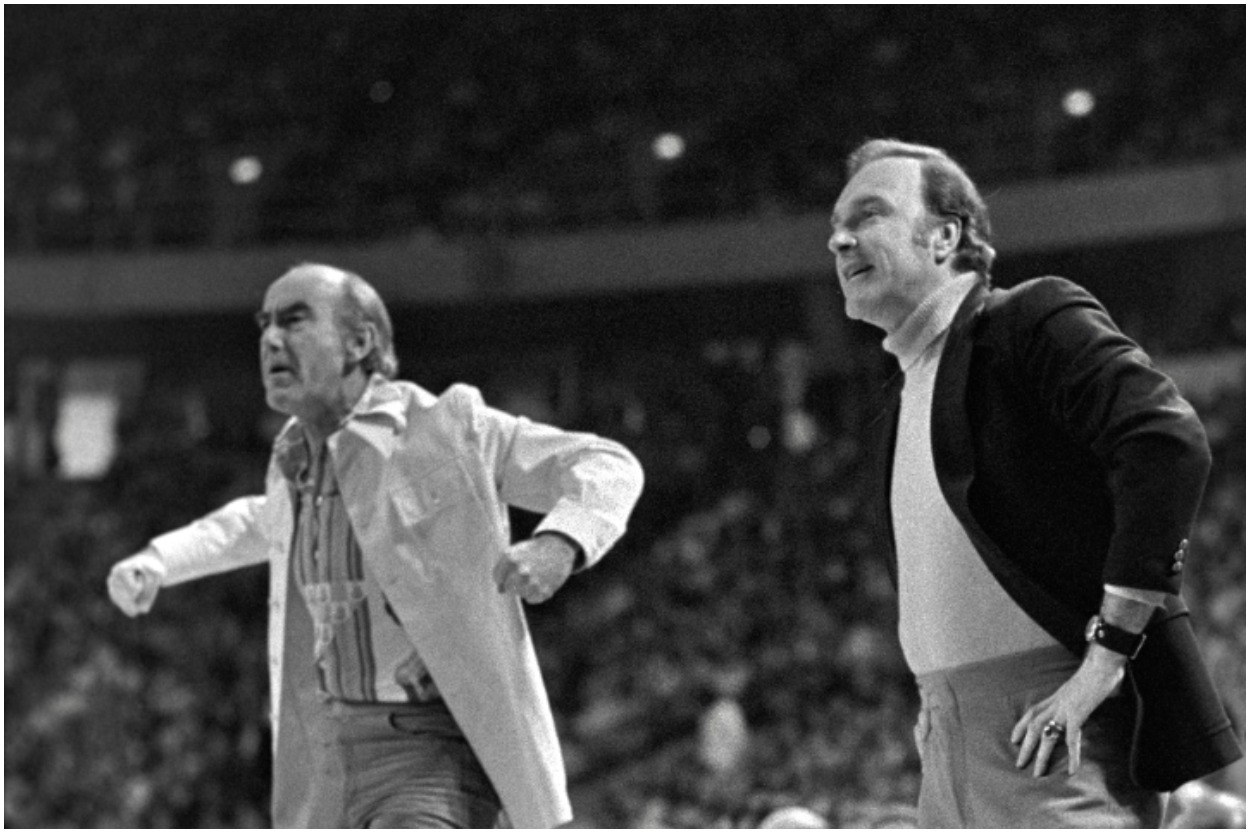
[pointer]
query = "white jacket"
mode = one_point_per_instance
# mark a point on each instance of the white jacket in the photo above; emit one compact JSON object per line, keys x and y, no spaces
{"x":426,"y":481}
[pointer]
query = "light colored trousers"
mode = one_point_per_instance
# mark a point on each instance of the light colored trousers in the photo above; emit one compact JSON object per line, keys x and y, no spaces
{"x":388,"y":766}
{"x":369,"y":765}
{"x":968,"y":763}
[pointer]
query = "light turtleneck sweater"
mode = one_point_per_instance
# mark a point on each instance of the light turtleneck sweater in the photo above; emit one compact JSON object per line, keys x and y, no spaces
{"x":952,"y":611}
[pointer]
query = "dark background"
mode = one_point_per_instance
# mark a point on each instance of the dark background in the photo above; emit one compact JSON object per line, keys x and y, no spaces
{"x":747,"y":587}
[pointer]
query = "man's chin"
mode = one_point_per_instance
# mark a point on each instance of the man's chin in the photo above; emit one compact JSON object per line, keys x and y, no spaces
{"x":865,"y":313}
{"x":854,"y":309}
{"x":279,"y":400}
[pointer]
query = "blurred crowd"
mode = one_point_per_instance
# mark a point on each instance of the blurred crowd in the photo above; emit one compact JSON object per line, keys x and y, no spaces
{"x":732,"y":663}
{"x":131,"y":127}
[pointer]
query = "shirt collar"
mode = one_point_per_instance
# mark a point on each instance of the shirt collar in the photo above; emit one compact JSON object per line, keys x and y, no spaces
{"x":381,"y":399}
{"x":929,"y":320}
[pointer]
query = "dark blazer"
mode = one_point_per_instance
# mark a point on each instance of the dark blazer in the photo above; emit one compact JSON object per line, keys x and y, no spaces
{"x":1072,"y":463}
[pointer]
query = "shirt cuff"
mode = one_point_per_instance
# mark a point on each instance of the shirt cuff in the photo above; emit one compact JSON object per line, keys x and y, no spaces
{"x":593,"y":533}
{"x":1150,"y":597}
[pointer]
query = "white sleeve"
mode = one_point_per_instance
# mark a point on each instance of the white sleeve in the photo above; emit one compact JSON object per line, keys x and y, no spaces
{"x":1150,"y":597}
{"x":223,"y":540}
{"x":585,"y":485}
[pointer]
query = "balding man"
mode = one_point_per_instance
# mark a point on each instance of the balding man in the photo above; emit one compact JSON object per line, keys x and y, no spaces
{"x":405,"y":686}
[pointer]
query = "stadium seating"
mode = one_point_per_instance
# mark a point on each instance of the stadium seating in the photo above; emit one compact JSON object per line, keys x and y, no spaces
{"x":133,"y":128}
{"x":747,"y":595}
{"x":748,"y":578}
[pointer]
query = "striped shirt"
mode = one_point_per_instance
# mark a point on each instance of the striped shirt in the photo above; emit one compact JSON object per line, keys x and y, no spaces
{"x":360,"y":649}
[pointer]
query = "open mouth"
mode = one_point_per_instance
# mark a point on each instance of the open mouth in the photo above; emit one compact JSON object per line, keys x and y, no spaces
{"x":279,"y":372}
{"x":856,"y":272}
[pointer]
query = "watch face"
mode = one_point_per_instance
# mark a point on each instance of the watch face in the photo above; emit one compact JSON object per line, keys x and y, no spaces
{"x":1091,"y":630}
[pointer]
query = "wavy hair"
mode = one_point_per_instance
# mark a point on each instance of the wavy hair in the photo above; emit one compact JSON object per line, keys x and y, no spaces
{"x":948,"y":192}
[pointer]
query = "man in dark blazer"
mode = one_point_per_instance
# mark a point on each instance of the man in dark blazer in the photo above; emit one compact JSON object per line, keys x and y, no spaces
{"x":1038,"y":480}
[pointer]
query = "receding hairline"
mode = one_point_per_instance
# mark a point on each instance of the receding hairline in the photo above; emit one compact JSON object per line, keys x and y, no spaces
{"x":349,"y":291}
{"x":875,"y":150}
{"x":354,"y":297}
{"x":322,"y":272}
{"x":919,"y":168}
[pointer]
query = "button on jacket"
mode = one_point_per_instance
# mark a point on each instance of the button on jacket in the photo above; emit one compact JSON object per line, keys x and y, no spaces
{"x":427,"y":481}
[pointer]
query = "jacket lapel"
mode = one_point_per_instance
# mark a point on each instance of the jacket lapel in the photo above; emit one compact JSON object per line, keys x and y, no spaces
{"x":886,"y":430}
{"x":950,"y":433}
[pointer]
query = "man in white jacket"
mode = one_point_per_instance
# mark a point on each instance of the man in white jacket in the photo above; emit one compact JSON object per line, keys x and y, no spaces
{"x":405,"y":686}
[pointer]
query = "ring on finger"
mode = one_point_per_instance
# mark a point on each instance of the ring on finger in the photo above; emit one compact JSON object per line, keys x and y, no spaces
{"x":1053,"y":729}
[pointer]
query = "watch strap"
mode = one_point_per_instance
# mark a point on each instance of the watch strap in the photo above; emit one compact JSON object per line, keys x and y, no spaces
{"x":1115,"y":639}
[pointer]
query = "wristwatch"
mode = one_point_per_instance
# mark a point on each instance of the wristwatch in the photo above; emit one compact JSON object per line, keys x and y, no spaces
{"x":1113,"y":638}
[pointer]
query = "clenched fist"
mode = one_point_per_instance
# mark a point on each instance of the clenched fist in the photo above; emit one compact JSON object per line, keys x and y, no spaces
{"x":133,"y":582}
{"x":537,"y":568}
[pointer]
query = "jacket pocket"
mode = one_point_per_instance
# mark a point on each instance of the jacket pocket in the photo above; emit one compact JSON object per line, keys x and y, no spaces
{"x":418,"y":498}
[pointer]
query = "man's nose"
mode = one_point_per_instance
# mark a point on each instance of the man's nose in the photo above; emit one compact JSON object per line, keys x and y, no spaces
{"x":841,"y":241}
{"x":270,"y":337}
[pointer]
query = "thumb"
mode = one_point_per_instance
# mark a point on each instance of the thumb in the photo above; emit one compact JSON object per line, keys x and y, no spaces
{"x":146,"y":595}
{"x":504,"y":568}
{"x":122,"y":590}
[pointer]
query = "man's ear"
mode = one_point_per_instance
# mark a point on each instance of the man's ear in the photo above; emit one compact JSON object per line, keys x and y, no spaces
{"x":361,"y":341}
{"x":946,"y":237}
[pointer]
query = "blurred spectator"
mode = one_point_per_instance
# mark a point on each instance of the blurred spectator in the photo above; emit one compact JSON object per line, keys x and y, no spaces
{"x":122,"y":123}
{"x":723,"y":736}
{"x":793,"y":818}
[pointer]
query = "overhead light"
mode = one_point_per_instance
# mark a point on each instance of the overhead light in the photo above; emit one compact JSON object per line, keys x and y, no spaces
{"x":1078,"y":103}
{"x":668,"y":146}
{"x":245,"y":170}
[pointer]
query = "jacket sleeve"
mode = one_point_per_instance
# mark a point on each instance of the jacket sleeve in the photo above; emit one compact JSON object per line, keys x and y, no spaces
{"x":223,"y":540}
{"x":1103,"y":390}
{"x":585,"y":485}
